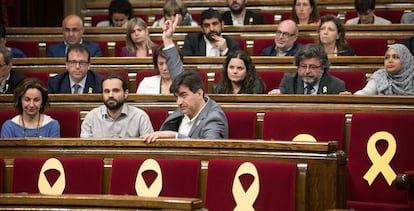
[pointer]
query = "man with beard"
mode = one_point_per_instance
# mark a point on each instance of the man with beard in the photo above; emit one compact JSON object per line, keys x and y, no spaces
{"x":115,"y":119}
{"x":209,"y":42}
{"x":239,"y":16}
{"x":285,"y":40}
{"x":312,"y":76}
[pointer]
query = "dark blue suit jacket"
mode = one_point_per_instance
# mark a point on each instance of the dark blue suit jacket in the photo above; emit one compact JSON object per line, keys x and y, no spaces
{"x":58,"y":50}
{"x":195,"y":45}
{"x":271,"y":51}
{"x":60,"y":84}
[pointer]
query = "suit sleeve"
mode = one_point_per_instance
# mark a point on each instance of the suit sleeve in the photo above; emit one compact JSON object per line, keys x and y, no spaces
{"x":187,"y":47}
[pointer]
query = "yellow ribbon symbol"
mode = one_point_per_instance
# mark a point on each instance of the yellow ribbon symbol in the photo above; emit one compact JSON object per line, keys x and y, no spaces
{"x":141,"y":187}
{"x":380,"y":164}
{"x":304,"y":138}
{"x":245,"y":200}
{"x":43,"y":183}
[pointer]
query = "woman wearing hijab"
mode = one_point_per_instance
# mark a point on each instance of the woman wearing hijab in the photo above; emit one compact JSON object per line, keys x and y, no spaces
{"x":397,"y":76}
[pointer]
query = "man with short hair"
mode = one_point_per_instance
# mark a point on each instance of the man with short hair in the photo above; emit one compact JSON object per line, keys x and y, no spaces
{"x":115,"y":119}
{"x":365,"y":10}
{"x":210,"y":41}
{"x":197,"y":115}
{"x":73,"y":30}
{"x":239,"y":15}
{"x":312,"y":76}
{"x":77,"y":78}
{"x":9,"y":78}
{"x":285,"y":40}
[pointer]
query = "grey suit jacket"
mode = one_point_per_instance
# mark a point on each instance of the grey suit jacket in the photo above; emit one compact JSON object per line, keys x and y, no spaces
{"x":292,"y":83}
{"x":211,"y":123}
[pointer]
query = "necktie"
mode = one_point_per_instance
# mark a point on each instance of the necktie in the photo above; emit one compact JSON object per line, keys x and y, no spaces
{"x":309,"y":89}
{"x":76,"y":88}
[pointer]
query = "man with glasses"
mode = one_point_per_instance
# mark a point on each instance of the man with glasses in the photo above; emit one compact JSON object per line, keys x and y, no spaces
{"x":9,"y":78}
{"x":72,"y":34}
{"x":312,"y":76}
{"x":77,"y":78}
{"x":285,"y":40}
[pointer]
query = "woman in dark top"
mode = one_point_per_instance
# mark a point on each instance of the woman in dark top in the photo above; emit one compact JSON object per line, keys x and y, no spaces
{"x":239,"y":76}
{"x":331,"y":35}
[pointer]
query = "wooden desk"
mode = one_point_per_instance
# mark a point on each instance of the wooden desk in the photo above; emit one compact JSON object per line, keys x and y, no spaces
{"x":92,"y":201}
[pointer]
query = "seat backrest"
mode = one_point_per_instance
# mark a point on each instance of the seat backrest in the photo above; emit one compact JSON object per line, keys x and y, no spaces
{"x":269,"y":17}
{"x":1,"y":174}
{"x":122,"y":73}
{"x":354,"y":80}
{"x":82,"y":175}
{"x":377,"y":46}
{"x":242,"y":124}
{"x":104,"y":47}
{"x":389,"y":137}
{"x":256,"y":183}
{"x":260,"y":44}
{"x":178,"y":177}
{"x":157,"y":117}
{"x":323,"y":126}
{"x":6,"y":115}
{"x":30,"y":48}
{"x":242,"y":43}
{"x":69,"y":121}
{"x":43,"y":76}
{"x":118,"y":47}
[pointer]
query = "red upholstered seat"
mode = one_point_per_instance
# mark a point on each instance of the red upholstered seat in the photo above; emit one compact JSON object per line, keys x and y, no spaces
{"x":242,"y":124}
{"x":180,"y":177}
{"x":1,"y":174}
{"x":104,"y":47}
{"x":276,"y":181}
{"x":43,"y":76}
{"x":377,"y":46}
{"x":123,"y":73}
{"x":286,"y":15}
{"x":392,"y":15}
{"x":323,"y":126}
{"x":271,"y":79}
{"x":5,"y":115}
{"x":260,"y":44}
{"x":269,"y":17}
{"x":30,"y":48}
{"x":157,"y":117}
{"x":83,"y":175}
{"x":118,"y":47}
{"x":354,"y":80}
{"x":69,"y":121}
{"x":242,"y":43}
{"x":376,"y":192}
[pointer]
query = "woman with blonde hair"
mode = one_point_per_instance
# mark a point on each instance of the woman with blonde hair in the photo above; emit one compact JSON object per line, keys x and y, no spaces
{"x":138,"y":42}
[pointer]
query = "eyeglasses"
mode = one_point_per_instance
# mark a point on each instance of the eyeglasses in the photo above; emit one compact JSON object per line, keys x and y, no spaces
{"x":284,"y":34}
{"x":310,"y":67}
{"x":81,"y":63}
{"x":67,"y":30}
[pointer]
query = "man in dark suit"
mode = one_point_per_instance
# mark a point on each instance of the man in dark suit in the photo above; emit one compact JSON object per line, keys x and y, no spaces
{"x":9,"y":78}
{"x":72,"y":34}
{"x":197,"y":116}
{"x":409,"y":43}
{"x":312,"y":76}
{"x":285,"y":40}
{"x":239,"y":16}
{"x":77,"y":78}
{"x":209,"y":42}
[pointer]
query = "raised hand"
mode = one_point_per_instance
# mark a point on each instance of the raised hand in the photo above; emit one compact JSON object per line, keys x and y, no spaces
{"x":168,"y":30}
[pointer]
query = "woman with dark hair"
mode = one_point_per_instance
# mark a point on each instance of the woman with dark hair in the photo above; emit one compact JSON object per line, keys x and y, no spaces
{"x":305,"y":12}
{"x":239,"y":76}
{"x":138,"y":42}
{"x":331,"y":35}
{"x":119,"y":12}
{"x":30,"y":100}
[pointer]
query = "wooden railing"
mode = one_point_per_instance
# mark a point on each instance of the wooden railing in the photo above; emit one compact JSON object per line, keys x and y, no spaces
{"x":323,"y":188}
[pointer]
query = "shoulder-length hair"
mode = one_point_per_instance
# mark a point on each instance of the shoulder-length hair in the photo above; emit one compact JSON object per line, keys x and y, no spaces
{"x":24,"y":85}
{"x":313,"y":17}
{"x":341,"y":43}
{"x":130,"y":29}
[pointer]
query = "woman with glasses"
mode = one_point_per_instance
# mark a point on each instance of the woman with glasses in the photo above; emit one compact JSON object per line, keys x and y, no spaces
{"x":30,"y":100}
{"x":138,"y":42}
{"x":331,"y":35}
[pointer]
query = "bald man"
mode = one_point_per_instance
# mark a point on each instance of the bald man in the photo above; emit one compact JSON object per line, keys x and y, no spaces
{"x":285,"y":40}
{"x":72,"y":27}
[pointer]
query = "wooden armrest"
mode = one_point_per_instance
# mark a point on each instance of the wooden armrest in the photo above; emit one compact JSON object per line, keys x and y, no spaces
{"x":405,"y":181}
